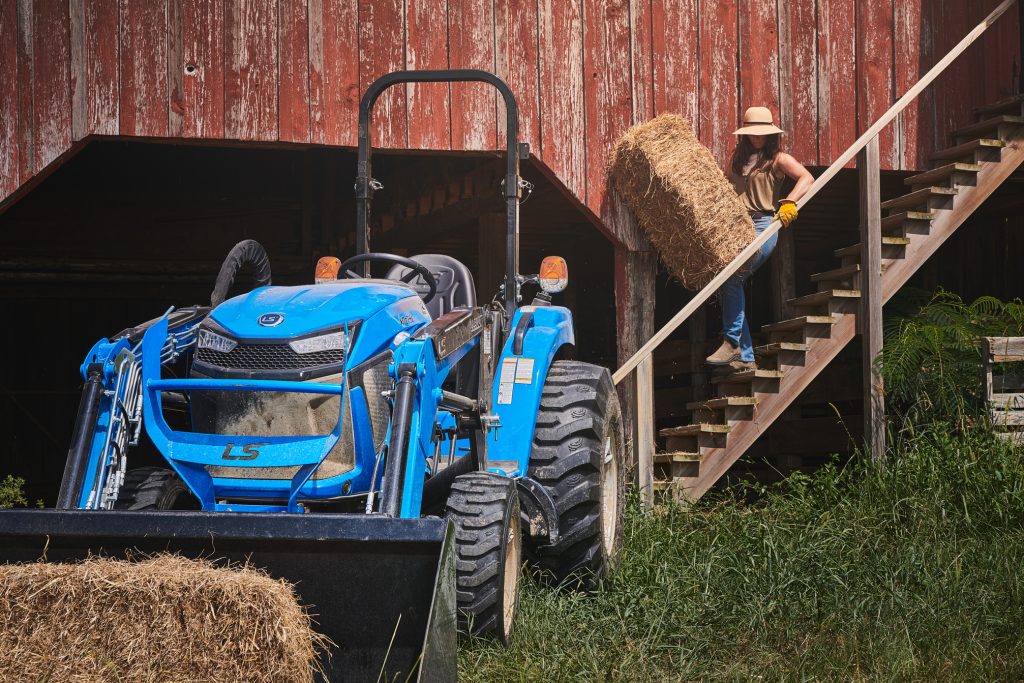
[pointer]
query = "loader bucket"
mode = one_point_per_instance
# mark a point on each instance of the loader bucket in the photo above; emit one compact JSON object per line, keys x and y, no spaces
{"x":382,"y":589}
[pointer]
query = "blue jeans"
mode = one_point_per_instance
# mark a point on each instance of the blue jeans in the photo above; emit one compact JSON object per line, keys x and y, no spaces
{"x":734,"y":315}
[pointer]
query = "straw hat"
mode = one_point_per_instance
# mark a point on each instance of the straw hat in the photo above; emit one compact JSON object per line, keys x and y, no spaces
{"x":758,"y":121}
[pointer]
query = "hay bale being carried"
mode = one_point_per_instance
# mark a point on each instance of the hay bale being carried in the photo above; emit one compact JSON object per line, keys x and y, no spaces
{"x":684,"y":203}
{"x":166,"y":618}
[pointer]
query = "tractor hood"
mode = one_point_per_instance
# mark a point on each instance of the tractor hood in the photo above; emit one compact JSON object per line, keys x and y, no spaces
{"x":285,"y":312}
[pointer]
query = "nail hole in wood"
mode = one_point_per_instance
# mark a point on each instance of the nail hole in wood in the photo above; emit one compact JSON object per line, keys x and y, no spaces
{"x":190,"y":68}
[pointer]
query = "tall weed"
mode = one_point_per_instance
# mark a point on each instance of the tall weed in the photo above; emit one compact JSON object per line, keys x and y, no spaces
{"x":857,"y":573}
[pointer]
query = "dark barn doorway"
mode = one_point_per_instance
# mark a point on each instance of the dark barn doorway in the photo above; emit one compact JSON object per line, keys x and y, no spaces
{"x":125,"y":230}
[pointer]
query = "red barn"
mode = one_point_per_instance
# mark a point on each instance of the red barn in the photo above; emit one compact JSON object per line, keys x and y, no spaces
{"x":139,"y":139}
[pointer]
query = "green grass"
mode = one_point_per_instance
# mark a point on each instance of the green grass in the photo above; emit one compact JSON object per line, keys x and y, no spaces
{"x":915,"y":573}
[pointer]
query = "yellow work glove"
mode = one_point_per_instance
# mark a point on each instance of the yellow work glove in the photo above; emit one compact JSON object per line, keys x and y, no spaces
{"x":787,"y":212}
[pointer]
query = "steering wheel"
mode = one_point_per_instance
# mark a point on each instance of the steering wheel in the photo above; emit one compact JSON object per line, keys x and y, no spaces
{"x":378,"y":257}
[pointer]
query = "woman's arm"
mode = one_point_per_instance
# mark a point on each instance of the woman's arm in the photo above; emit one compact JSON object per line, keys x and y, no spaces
{"x":795,"y":170}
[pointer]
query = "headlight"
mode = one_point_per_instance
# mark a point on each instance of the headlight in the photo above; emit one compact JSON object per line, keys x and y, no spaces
{"x":212,"y":340}
{"x":335,"y":341}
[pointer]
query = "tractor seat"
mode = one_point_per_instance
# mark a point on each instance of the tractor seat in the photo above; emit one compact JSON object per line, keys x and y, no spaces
{"x":455,"y":286}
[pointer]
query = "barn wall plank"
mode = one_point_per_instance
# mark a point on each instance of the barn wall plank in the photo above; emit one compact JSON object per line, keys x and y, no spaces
{"x":996,"y":55}
{"x":51,"y":87}
{"x":471,"y":46}
{"x":719,"y":107}
{"x":333,"y":71}
{"x":382,"y":35}
{"x":675,"y":28}
{"x":200,"y":68}
{"x":143,"y":67}
{"x":9,"y":143}
{"x":26,"y":77}
{"x":798,"y":78}
{"x":608,"y":101}
{"x":875,"y":73}
{"x":429,"y":105}
{"x":293,"y":90}
{"x":913,"y":57}
{"x":759,"y":55}
{"x":563,"y":126}
{"x":642,"y":55}
{"x":250,"y":77}
{"x":954,"y":87}
{"x":516,"y":35}
{"x":837,"y":117}
{"x":101,"y":31}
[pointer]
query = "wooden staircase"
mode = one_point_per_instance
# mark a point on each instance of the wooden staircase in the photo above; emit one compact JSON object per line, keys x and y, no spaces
{"x":747,"y":402}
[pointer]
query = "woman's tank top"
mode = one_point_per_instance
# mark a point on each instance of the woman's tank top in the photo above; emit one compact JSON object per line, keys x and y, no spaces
{"x":759,"y":190}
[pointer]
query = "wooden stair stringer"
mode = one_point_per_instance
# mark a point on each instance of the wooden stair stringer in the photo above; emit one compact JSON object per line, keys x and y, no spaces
{"x":990,"y":178}
{"x":717,"y":461}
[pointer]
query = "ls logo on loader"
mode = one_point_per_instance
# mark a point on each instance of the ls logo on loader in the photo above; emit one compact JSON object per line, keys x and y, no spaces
{"x":251,"y":451}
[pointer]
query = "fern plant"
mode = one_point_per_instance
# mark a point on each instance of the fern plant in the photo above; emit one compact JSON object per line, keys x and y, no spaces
{"x":931,"y":359}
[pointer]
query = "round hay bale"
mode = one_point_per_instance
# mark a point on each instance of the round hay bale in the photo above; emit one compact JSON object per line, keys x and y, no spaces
{"x":682,"y":200}
{"x":165,"y":618}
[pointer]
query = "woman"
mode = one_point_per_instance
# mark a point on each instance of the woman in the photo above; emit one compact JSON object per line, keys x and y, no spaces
{"x":757,"y":171}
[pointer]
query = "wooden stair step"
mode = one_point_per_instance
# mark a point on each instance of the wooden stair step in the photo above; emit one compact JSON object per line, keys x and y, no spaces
{"x":723,"y":402}
{"x":778,"y":347}
{"x":1004,"y":106}
{"x":895,"y":221}
{"x":989,"y":125}
{"x":837,"y":274}
{"x":941,"y":174}
{"x":743,"y":376}
{"x":677,"y":456}
{"x":676,"y":483}
{"x":823,"y":297}
{"x":967,"y":148}
{"x":887,"y":241}
{"x":694,"y":430}
{"x":917,"y":198}
{"x":798,"y":323}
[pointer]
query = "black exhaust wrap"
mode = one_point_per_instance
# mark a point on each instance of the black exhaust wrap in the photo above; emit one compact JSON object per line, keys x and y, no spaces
{"x":246,"y":252}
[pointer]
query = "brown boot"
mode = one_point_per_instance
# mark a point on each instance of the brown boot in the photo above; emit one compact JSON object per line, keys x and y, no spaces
{"x":725,"y":354}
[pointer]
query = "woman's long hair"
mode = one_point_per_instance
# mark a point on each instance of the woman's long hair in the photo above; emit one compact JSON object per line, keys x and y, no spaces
{"x":765,"y":156}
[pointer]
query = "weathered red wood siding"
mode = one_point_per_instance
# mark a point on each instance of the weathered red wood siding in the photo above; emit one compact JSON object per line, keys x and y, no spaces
{"x":583,"y":71}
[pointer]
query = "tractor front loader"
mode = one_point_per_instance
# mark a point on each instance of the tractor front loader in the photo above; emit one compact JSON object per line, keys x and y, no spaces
{"x":391,"y":447}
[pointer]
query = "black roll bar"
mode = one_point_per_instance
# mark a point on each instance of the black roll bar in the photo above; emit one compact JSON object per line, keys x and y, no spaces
{"x":365,"y":182}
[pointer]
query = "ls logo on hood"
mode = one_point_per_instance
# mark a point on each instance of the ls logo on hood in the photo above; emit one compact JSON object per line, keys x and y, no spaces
{"x":271,"y":319}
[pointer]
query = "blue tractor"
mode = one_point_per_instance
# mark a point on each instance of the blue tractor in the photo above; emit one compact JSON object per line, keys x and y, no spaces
{"x":389,"y":444}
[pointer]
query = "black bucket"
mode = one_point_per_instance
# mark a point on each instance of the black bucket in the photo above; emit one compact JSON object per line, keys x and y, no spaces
{"x":382,"y":589}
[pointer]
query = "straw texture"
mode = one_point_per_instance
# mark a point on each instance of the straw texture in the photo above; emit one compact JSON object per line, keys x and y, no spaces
{"x":166,"y":619}
{"x":682,"y":200}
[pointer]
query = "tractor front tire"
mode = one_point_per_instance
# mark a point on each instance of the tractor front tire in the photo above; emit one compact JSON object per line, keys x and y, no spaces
{"x":154,"y":488}
{"x":488,"y":549}
{"x":577,"y":446}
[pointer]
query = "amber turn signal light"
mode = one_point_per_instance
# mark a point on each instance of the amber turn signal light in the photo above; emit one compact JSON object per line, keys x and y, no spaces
{"x":554,"y":274}
{"x":327,"y":269}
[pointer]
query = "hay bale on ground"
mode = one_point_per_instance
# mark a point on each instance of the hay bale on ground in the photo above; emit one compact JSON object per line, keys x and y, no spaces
{"x":684,"y":203}
{"x":166,"y":618}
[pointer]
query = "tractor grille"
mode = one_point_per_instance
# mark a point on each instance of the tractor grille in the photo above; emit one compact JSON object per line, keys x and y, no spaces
{"x":268,"y":357}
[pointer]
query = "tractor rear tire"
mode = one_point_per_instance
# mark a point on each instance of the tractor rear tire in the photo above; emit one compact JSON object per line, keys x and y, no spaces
{"x":488,"y":549}
{"x":154,"y":488}
{"x":577,"y":446}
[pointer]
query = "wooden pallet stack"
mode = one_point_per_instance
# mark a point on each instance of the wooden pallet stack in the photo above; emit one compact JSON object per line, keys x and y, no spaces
{"x":1004,"y":391}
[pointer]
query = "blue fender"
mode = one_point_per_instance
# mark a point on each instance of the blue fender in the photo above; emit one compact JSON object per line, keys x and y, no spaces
{"x":520,"y":376}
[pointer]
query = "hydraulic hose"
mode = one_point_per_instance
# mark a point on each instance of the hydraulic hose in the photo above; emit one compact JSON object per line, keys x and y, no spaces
{"x":81,"y":441}
{"x":398,"y":451}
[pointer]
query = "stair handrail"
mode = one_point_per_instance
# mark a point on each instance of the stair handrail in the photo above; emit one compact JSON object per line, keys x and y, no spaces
{"x":703,"y":295}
